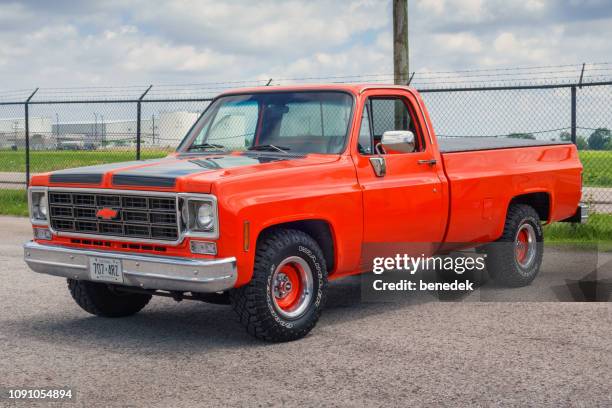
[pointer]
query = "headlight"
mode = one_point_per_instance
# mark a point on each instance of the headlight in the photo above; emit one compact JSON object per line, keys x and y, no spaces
{"x":199,"y":216}
{"x":38,"y":206}
{"x":205,"y":216}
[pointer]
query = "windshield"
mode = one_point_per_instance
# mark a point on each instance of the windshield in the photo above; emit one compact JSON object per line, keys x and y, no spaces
{"x":282,"y":122}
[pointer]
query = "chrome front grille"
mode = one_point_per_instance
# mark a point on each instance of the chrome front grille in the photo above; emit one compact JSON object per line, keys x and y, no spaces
{"x":139,"y":216}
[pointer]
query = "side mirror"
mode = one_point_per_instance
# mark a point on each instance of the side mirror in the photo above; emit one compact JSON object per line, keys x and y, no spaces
{"x":398,"y":141}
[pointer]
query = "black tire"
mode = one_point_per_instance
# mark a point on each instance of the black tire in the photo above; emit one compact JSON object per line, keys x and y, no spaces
{"x":100,"y":300}
{"x":255,"y":302}
{"x":477,"y":276}
{"x":502,"y":262}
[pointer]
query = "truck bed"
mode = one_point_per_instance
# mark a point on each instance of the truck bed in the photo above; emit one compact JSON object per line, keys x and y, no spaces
{"x":482,"y":183}
{"x":466,"y":144}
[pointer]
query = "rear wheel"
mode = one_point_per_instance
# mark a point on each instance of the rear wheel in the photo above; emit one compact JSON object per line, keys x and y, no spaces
{"x":285,"y":296}
{"x":101,"y":300}
{"x":514,"y":260}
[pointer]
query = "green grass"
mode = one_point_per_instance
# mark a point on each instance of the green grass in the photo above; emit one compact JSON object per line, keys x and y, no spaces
{"x":42,"y":161}
{"x":13,"y":202}
{"x":597,"y":229}
{"x":597,"y":167}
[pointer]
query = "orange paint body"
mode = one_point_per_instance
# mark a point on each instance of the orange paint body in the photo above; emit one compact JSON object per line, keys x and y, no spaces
{"x":463,"y":198}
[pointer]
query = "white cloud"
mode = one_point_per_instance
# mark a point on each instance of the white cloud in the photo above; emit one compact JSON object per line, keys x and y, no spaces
{"x":54,"y":44}
{"x":154,"y":57}
{"x":431,"y":6}
{"x":458,"y":42}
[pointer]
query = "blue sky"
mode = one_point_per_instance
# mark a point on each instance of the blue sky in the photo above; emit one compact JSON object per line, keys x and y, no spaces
{"x":71,"y":43}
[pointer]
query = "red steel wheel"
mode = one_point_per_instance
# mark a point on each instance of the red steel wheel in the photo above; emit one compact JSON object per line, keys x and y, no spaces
{"x":292,"y":287}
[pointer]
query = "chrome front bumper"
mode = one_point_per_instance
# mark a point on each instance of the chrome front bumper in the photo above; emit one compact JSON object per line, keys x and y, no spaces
{"x":146,"y":272}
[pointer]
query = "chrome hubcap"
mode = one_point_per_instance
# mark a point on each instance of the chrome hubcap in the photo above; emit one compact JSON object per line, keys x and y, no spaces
{"x":282,"y":286}
{"x":525,"y":245}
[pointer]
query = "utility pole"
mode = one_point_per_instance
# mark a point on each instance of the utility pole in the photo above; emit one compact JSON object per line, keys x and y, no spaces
{"x":400,"y":42}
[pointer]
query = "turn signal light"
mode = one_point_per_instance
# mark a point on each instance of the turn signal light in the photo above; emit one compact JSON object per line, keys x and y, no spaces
{"x":202,"y":247}
{"x":42,"y":233}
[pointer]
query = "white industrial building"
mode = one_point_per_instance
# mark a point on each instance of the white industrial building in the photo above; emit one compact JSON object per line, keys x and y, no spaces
{"x":166,"y":129}
{"x":172,"y":127}
{"x":12,"y":133}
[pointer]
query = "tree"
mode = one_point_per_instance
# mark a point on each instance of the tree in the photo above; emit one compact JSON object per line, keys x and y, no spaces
{"x":565,"y":136}
{"x":599,"y":139}
{"x":521,"y":136}
{"x":581,"y":143}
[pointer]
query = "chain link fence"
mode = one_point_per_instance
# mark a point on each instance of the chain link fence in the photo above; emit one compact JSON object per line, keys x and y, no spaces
{"x":44,"y":135}
{"x":581,"y":113}
{"x":51,"y":129}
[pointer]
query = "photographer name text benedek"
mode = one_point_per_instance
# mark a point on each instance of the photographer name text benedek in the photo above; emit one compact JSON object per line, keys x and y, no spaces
{"x":409,"y":285}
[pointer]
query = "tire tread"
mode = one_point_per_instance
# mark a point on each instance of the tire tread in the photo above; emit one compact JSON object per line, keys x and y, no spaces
{"x":97,"y":299}
{"x":250,"y":302}
{"x":500,"y":261}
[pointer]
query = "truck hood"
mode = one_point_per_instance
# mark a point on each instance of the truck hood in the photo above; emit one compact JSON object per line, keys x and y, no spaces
{"x":184,"y":173}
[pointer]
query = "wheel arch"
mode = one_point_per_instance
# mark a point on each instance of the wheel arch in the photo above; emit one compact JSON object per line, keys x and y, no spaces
{"x":540,"y":201}
{"x":320,"y":230}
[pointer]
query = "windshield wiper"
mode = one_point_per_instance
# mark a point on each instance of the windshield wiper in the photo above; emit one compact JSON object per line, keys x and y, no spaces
{"x":206,"y":146}
{"x":270,"y":148}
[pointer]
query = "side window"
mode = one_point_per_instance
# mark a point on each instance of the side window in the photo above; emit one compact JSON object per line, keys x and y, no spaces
{"x":389,"y":113}
{"x":365,"y":133}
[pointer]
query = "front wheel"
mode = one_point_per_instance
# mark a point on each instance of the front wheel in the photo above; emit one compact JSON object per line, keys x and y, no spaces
{"x":285,"y":296}
{"x":514,"y":260}
{"x":100,"y":300}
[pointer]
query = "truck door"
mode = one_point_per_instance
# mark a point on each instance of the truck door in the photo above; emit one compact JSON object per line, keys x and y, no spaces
{"x":403,"y":198}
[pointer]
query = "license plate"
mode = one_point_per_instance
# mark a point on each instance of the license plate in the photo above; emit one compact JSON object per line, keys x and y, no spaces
{"x":105,"y":270}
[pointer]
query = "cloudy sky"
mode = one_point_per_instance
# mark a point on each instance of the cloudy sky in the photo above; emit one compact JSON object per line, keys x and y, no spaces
{"x":71,"y":43}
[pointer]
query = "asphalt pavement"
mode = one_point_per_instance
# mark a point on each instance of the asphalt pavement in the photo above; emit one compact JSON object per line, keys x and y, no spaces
{"x":532,"y":346}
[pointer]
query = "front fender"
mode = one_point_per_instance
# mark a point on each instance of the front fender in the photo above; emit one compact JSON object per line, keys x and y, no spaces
{"x":327,"y":192}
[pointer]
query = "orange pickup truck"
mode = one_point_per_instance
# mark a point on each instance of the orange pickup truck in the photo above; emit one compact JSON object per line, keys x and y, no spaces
{"x":276,"y":190}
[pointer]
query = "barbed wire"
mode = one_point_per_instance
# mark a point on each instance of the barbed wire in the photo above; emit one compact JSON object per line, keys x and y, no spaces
{"x":505,"y":76}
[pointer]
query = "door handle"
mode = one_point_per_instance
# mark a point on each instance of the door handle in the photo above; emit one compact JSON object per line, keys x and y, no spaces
{"x":431,"y":162}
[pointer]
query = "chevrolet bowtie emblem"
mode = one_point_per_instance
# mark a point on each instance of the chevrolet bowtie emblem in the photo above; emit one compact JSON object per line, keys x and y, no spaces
{"x":107,"y":213}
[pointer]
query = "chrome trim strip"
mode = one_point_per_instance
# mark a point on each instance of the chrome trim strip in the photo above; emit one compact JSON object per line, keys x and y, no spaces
{"x":107,"y":190}
{"x":214,"y":234}
{"x":410,"y":91}
{"x":38,"y":189}
{"x":148,"y":272}
{"x":584,"y":213}
{"x":58,"y":264}
{"x":173,"y":278}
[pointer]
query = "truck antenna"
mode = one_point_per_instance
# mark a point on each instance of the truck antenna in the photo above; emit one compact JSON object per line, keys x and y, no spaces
{"x":410,"y":79}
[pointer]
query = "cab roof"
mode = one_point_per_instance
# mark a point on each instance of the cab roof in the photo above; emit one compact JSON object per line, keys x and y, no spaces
{"x":355,"y":89}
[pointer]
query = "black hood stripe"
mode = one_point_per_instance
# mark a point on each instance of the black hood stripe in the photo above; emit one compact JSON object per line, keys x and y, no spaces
{"x":145,"y":181}
{"x":162,"y":172}
{"x":83,"y":178}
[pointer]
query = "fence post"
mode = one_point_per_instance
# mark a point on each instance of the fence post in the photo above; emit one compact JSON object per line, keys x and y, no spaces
{"x":27,"y":135}
{"x":138,"y":115}
{"x":574,"y":114}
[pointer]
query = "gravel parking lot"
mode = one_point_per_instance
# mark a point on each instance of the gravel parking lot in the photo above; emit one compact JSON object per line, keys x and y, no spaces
{"x":415,"y":352}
